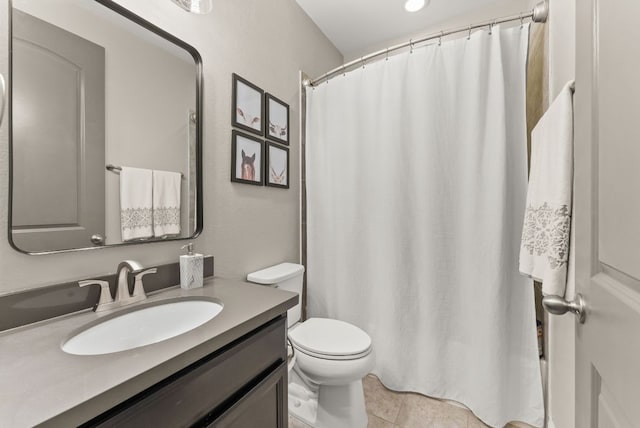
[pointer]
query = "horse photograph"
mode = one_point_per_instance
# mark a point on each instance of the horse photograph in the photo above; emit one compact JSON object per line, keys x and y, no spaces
{"x":246,"y":163}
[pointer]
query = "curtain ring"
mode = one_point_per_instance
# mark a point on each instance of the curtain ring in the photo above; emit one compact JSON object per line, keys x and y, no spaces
{"x":386,"y":58}
{"x":469,"y":33}
{"x":491,"y":28}
{"x":440,"y":38}
{"x":344,"y":73}
{"x":362,"y":60}
{"x":410,"y":45}
{"x":521,"y":21}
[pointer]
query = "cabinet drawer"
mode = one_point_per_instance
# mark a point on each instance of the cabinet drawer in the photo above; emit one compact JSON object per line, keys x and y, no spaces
{"x":263,"y":406}
{"x":191,"y":394}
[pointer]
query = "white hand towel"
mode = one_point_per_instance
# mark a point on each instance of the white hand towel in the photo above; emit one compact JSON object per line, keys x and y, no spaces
{"x":544,"y":253}
{"x":166,"y":203}
{"x":136,"y":203}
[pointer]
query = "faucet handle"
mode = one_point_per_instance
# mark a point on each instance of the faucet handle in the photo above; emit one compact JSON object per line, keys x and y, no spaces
{"x":138,"y":288}
{"x":105,"y":291}
{"x":142,"y":273}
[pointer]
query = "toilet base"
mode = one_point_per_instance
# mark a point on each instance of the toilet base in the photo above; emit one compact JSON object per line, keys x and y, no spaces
{"x":341,"y":406}
{"x":303,"y":401}
{"x":330,"y":406}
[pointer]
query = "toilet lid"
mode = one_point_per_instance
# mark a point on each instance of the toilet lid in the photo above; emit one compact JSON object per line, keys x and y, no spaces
{"x":330,"y":337}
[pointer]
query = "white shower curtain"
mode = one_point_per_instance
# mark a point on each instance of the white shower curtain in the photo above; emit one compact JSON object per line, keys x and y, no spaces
{"x":416,"y":180}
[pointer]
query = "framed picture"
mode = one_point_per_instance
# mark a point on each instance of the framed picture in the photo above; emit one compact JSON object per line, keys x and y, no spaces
{"x":246,"y":159}
{"x":277,"y":119}
{"x":277,"y":166}
{"x":246,"y":108}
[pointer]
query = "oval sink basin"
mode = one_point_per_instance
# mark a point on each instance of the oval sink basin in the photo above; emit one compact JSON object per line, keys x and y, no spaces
{"x":142,"y":327}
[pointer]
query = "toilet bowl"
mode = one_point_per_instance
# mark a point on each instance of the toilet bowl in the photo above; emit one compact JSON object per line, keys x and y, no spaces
{"x":329,"y":360}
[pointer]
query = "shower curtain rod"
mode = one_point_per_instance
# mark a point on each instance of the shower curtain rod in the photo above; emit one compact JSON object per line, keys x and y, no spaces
{"x":539,"y":14}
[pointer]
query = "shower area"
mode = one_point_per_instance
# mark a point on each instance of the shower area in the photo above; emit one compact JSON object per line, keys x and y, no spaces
{"x":414,"y":173}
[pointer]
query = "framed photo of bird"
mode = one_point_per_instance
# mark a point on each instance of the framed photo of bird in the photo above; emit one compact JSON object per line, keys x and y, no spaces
{"x":277,"y":166}
{"x":277,"y":119}
{"x":247,"y":106}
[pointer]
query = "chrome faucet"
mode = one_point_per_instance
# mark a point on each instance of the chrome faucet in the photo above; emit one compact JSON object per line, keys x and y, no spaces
{"x":123,"y":297}
{"x":122,"y":286}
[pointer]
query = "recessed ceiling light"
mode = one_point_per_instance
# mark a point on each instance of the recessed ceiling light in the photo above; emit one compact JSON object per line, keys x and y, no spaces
{"x":414,"y":5}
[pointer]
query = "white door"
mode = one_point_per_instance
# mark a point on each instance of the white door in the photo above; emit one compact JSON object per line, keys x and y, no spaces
{"x":607,"y":214}
{"x":58,"y":121}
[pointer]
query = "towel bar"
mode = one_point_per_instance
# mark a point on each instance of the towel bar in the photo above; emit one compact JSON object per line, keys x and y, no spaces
{"x":117,"y":169}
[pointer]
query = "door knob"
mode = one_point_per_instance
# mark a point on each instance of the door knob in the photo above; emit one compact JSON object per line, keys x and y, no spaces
{"x":556,"y":305}
{"x":97,"y":239}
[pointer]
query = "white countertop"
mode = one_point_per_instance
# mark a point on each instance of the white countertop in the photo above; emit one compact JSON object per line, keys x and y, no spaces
{"x":39,"y":383}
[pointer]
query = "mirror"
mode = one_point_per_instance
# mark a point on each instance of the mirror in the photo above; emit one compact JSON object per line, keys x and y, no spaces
{"x":95,"y":92}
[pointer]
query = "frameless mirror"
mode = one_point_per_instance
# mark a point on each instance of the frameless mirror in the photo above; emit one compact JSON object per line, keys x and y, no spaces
{"x":105,"y":114}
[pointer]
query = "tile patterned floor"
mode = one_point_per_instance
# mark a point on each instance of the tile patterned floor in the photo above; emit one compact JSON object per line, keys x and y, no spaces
{"x":389,"y":409}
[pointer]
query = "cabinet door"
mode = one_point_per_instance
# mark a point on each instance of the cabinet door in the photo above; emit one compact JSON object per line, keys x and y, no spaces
{"x":209,"y":388}
{"x":264,"y":406}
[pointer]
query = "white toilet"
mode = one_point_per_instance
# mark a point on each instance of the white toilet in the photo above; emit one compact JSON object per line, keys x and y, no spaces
{"x":331,"y":358}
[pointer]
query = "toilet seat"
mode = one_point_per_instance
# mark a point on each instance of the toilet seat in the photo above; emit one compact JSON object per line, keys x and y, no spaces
{"x":330,"y":339}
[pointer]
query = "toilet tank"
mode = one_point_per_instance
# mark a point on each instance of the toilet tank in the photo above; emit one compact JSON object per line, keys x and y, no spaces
{"x":285,"y":276}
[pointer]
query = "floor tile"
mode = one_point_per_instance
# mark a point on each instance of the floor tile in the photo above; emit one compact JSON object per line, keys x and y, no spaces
{"x":418,"y":411}
{"x":376,"y":422}
{"x":474,"y":422}
{"x":380,"y":401}
{"x":390,"y":409}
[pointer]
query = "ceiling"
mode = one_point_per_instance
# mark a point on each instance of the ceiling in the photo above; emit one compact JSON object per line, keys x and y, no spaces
{"x":357,"y":27}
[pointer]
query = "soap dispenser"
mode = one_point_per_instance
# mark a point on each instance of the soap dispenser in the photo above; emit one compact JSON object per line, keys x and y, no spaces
{"x":191,"y":266}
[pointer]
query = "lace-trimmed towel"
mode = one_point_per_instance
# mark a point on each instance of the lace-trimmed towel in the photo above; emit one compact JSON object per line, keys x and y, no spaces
{"x":544,"y":254}
{"x":136,"y":203}
{"x":166,"y":203}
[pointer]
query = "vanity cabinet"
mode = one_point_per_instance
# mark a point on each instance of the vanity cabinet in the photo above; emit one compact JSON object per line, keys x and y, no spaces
{"x":243,"y":385}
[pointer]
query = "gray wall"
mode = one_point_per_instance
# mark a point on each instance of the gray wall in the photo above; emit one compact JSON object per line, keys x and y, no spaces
{"x":245,"y":227}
